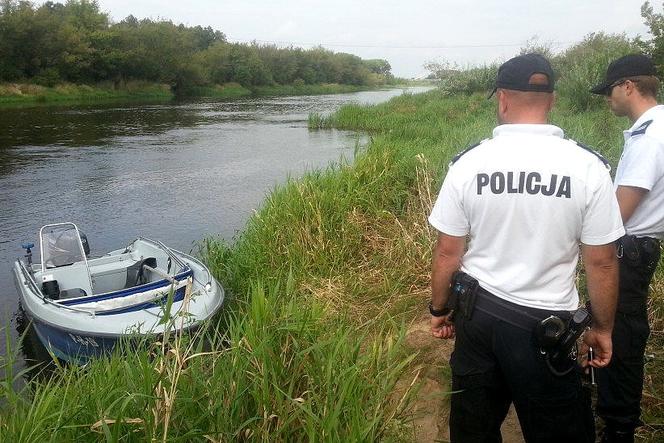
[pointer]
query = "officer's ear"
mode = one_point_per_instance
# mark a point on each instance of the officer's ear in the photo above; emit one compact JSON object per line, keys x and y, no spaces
{"x":503,"y":102}
{"x":629,"y":87}
{"x":552,"y":102}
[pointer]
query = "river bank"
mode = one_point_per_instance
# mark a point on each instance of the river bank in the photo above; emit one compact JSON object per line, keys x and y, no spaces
{"x":356,"y":239}
{"x":324,"y":338}
{"x":19,"y":94}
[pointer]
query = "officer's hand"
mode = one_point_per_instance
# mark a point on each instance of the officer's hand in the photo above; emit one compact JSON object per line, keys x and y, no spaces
{"x":442,"y":327}
{"x":602,"y":347}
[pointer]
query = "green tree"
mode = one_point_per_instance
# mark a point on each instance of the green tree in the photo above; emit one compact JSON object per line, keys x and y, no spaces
{"x":206,"y":37}
{"x":215,"y":62}
{"x":76,"y":42}
{"x":655,"y":46}
{"x":282,"y":63}
{"x":20,"y":41}
{"x":379,"y":66}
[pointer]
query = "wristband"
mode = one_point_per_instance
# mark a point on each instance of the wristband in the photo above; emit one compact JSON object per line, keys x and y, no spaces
{"x":438,"y":312}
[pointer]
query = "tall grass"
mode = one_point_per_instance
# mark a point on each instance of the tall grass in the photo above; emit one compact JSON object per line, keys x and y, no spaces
{"x":225,"y":91}
{"x":12,"y":94}
{"x":356,"y":236}
{"x":471,"y":80}
{"x":304,"y":89}
{"x":26,"y":93}
{"x":653,"y":393}
{"x":276,"y":374}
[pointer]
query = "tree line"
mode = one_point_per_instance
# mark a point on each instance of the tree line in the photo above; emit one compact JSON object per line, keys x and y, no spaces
{"x":76,"y":42}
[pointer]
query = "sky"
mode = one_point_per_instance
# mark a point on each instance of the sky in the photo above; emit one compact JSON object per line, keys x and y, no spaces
{"x":407,"y":34}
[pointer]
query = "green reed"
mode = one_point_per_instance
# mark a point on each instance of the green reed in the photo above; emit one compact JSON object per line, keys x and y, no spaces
{"x":277,"y":373}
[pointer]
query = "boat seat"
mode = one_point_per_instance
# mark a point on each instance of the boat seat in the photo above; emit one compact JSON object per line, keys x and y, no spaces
{"x":74,"y":278}
{"x":136,"y":274}
{"x":72,"y":293}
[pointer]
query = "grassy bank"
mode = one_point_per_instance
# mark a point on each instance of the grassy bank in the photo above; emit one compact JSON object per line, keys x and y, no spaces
{"x":326,"y":278}
{"x":13,"y":94}
{"x":234,"y":90}
{"x":26,"y":94}
{"x":329,"y":88}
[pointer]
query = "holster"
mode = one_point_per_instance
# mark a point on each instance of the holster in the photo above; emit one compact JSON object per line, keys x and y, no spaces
{"x":637,"y":249}
{"x":463,"y":295}
{"x":627,"y":247}
{"x":559,"y":349}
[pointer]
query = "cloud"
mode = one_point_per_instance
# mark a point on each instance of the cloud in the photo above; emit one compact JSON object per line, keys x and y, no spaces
{"x":286,"y":29}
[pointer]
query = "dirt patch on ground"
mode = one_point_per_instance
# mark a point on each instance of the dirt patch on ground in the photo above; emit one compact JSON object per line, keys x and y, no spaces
{"x":431,"y":407}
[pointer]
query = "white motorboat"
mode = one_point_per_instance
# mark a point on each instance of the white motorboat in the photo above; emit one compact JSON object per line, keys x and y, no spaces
{"x":81,"y":306}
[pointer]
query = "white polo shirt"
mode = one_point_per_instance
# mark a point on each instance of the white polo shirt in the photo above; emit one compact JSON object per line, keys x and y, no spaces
{"x":527,"y":197}
{"x":642,"y":165}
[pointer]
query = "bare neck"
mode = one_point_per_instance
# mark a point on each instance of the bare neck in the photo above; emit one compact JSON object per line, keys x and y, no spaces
{"x":527,"y":119}
{"x":639,"y":107}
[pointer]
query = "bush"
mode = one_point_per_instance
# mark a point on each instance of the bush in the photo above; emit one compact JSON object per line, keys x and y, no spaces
{"x":48,"y":77}
{"x":584,"y":65}
{"x":453,"y":80}
{"x":579,"y":68}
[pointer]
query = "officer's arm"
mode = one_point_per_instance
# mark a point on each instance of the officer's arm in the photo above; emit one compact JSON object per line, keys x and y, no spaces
{"x":446,"y":260}
{"x":629,"y":198}
{"x":601,"y":266}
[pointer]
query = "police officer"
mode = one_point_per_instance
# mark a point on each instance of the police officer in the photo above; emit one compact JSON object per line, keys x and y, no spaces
{"x":525,"y":199}
{"x":631,"y":89}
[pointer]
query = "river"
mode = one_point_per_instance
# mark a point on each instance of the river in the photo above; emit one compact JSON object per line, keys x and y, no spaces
{"x":176,"y":172}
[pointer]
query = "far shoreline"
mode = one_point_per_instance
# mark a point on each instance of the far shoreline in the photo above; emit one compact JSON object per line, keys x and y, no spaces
{"x":28,"y":94}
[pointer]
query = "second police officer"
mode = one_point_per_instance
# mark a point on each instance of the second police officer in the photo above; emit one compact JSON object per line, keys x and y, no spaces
{"x":631,"y":88}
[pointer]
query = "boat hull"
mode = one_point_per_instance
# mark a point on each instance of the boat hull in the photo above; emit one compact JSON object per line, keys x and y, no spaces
{"x":73,"y":346}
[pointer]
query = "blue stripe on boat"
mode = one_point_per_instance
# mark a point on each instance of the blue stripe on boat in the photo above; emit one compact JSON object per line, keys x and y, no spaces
{"x":126,"y":292}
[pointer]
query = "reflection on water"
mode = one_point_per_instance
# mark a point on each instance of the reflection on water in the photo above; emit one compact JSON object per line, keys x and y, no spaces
{"x":176,"y":172}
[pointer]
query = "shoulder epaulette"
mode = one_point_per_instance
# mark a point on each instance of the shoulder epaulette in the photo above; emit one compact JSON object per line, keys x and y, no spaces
{"x":641,"y":129}
{"x":460,"y":154}
{"x":595,"y":153}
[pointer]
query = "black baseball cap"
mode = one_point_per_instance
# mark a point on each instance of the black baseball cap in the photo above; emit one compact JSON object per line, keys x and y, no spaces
{"x":627,"y":66}
{"x":515,"y":74}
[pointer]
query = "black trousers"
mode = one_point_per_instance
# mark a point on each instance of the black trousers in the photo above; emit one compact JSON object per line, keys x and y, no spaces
{"x":620,"y":384}
{"x":494,"y":364}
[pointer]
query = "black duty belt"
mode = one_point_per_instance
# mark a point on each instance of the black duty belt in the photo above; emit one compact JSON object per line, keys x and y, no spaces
{"x":522,"y":317}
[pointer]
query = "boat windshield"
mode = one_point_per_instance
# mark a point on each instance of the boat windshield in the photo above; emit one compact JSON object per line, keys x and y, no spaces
{"x":61,"y":245}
